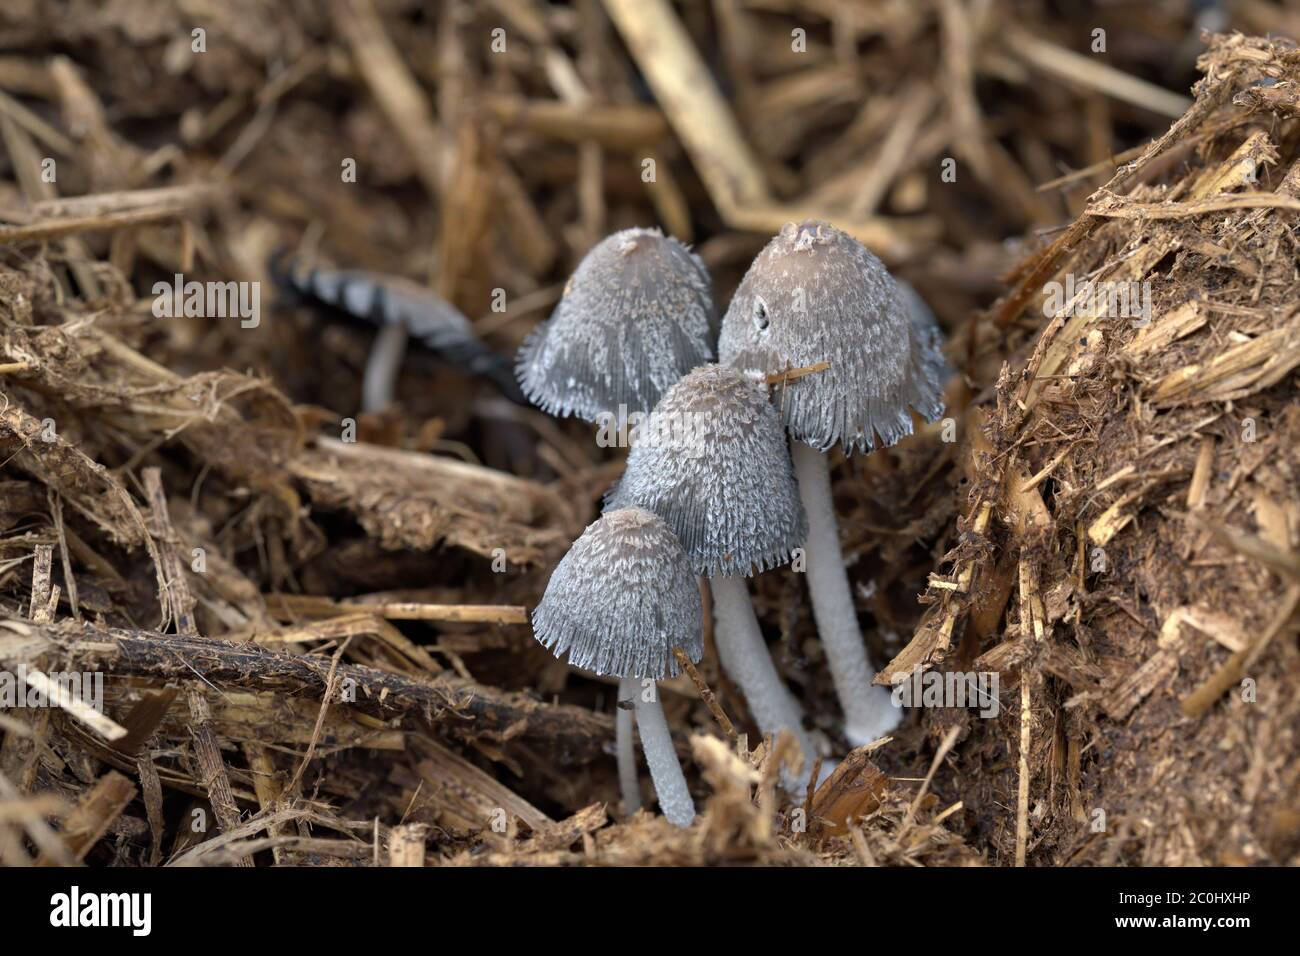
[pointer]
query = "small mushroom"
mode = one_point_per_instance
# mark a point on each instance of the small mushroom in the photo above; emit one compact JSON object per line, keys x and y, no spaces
{"x":618,"y":603}
{"x":402,"y":310}
{"x":636,"y":315}
{"x":711,"y":459}
{"x":812,"y":295}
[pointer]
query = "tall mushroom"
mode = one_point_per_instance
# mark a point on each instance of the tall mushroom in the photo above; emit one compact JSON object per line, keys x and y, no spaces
{"x":815,"y":294}
{"x":618,"y":603}
{"x":711,"y":459}
{"x":636,"y":315}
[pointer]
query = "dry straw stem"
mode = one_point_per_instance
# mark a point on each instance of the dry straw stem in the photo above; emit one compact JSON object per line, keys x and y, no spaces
{"x":406,"y":844}
{"x":706,"y":694}
{"x":38,"y":829}
{"x":794,"y":374}
{"x":627,"y":127}
{"x":464,"y":707}
{"x":463,"y":613}
{"x":411,"y":500}
{"x":94,"y":813}
{"x":393,"y":86}
{"x":708,"y":129}
{"x":77,"y":708}
{"x":54,"y":218}
{"x":1086,"y":71}
{"x":463,"y":795}
{"x":945,"y":746}
{"x":690,"y":98}
{"x":212,"y":769}
{"x":1234,"y":668}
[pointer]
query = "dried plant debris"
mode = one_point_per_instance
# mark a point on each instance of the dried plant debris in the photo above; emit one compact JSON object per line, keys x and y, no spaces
{"x":245,"y":621}
{"x":1134,"y":511}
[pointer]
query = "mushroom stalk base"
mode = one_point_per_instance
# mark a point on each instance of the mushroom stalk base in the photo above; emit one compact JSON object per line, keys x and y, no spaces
{"x":628,"y":781}
{"x":670,"y":783}
{"x":746,"y":659}
{"x":869,"y":712}
{"x":382,"y":367}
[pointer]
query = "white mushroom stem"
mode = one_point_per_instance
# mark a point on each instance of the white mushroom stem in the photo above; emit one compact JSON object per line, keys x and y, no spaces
{"x":382,"y":367}
{"x":869,"y":712}
{"x":746,"y":660}
{"x":670,"y":783}
{"x":628,"y":782}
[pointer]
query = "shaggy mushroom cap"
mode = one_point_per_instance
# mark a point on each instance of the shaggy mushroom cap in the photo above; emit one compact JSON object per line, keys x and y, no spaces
{"x":712,"y":459}
{"x":815,"y":294}
{"x":926,"y":327}
{"x":636,"y":315}
{"x":622,"y":599}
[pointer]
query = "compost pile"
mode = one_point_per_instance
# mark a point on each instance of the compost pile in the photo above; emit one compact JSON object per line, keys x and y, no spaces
{"x":311,"y":623}
{"x":1128,"y":544}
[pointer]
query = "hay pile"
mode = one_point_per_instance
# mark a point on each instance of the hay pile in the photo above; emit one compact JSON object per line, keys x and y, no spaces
{"x":316,"y":650}
{"x":1128,"y":544}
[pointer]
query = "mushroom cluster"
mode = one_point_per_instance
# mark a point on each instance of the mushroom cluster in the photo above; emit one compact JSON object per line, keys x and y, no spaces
{"x":721,"y":481}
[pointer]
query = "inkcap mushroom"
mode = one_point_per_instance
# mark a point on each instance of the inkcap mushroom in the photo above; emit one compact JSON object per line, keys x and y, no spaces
{"x":618,"y":603}
{"x":815,"y":294}
{"x":636,"y":315}
{"x":402,"y":310}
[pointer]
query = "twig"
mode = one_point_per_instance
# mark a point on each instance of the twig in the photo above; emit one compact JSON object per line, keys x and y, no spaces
{"x":1233,"y":669}
{"x":1088,"y":72}
{"x":468,"y":709}
{"x":706,"y":694}
{"x":945,"y":745}
{"x":794,"y":374}
{"x":90,"y":820}
{"x":212,"y":769}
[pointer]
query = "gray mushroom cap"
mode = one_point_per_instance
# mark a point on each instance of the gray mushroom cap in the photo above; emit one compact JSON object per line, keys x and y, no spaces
{"x":815,"y":294}
{"x":925,"y":326}
{"x":622,"y":599}
{"x":712,"y":459}
{"x":636,"y":315}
